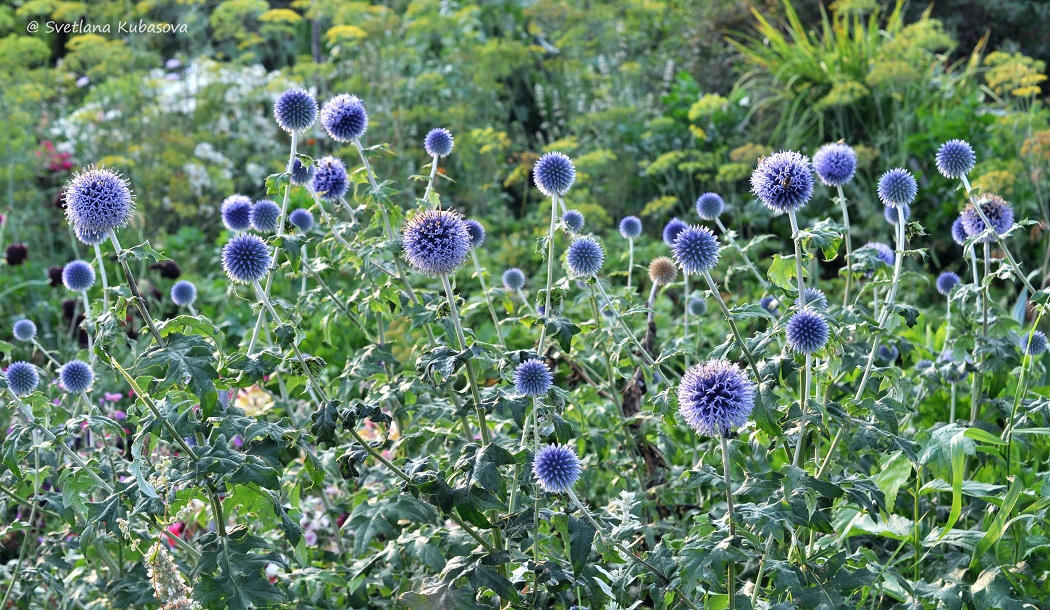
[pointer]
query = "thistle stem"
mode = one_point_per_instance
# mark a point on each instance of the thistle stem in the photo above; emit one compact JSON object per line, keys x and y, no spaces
{"x":550,"y":274}
{"x":471,"y":377}
{"x":430,"y":183}
{"x":102,"y":276}
{"x":798,"y":259}
{"x":731,"y":583}
{"x":488,"y":299}
{"x":849,"y":245}
{"x":140,"y":303}
{"x":630,"y":261}
{"x":804,"y":400}
{"x":295,"y":348}
{"x":998,"y":238}
{"x":747,"y":259}
{"x":58,"y":365}
{"x":732,"y":325}
{"x":630,"y":334}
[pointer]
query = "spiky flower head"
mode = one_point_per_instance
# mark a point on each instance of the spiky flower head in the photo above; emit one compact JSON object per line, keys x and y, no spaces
{"x":715,"y":397}
{"x":98,"y":200}
{"x":955,"y":158}
{"x":835,"y":164}
{"x":662,"y":271}
{"x":533,"y":378}
{"x":585,"y":257}
{"x":438,"y":142}
{"x":513,"y":279}
{"x":959,"y":231}
{"x":246,"y":258}
{"x":783,"y":181}
{"x":890,"y":214}
{"x":265,"y":215}
{"x":76,"y":376}
{"x":236,"y":212}
{"x":946,"y":281}
{"x":78,"y":276}
{"x":573,"y":219}
{"x":697,"y":306}
{"x":329,"y":180}
{"x":22,"y":378}
{"x":883,"y":252}
{"x":998,"y":211}
{"x":710,"y":206}
{"x":1034,"y":344}
{"x":295,"y":110}
{"x":556,"y":468}
{"x":436,"y":242}
{"x":476,"y":231}
{"x":344,"y":118}
{"x":90,"y":238}
{"x":16,"y":254}
{"x":897,"y":187}
{"x":183,"y":293}
{"x":807,"y":332}
{"x":769,"y":303}
{"x":952,"y":371}
{"x":300,"y":172}
{"x":672,"y":229}
{"x":815,"y":298}
{"x":302,"y":219}
{"x":554,"y":174}
{"x":24,"y":330}
{"x":630,"y":227}
{"x":888,"y":353}
{"x":696,"y":250}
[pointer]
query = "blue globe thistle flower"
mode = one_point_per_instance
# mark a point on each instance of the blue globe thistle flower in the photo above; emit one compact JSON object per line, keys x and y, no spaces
{"x":835,"y":164}
{"x":697,"y":306}
{"x":22,"y":378}
{"x":264,"y":216}
{"x":183,"y":293}
{"x":300,"y":172}
{"x":513,"y":279}
{"x":330,"y":181}
{"x":952,"y":371}
{"x":573,"y":219}
{"x":815,"y":298}
{"x":295,"y":110}
{"x":476,"y":231}
{"x":710,"y":206}
{"x":897,"y":187}
{"x":533,"y":378}
{"x":236,"y":213}
{"x":98,"y":200}
{"x":998,"y":211}
{"x":672,"y":229}
{"x":959,"y":231}
{"x":630,"y":227}
{"x":556,"y":468}
{"x":344,"y":118}
{"x":783,"y":181}
{"x":24,"y":330}
{"x":696,"y":250}
{"x":246,"y":258}
{"x":78,"y":276}
{"x":946,"y":281}
{"x":76,"y":376}
{"x":1034,"y":345}
{"x":302,"y":219}
{"x":883,"y":252}
{"x":955,"y":158}
{"x":585,"y":257}
{"x":715,"y":397}
{"x":662,"y":271}
{"x":436,"y":242}
{"x":438,"y":142}
{"x":554,"y":174}
{"x":807,"y":332}
{"x":888,"y":354}
{"x":890,"y":214}
{"x":90,"y":238}
{"x":769,"y":303}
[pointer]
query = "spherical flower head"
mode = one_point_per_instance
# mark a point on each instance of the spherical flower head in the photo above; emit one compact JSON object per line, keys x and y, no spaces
{"x":76,"y":376}
{"x":662,"y":271}
{"x":554,"y":174}
{"x":959,"y":231}
{"x":710,"y":206}
{"x":573,"y":219}
{"x":888,"y":354}
{"x":696,"y":250}
{"x":329,"y":180}
{"x":1034,"y":344}
{"x":300,"y":173}
{"x":556,"y":468}
{"x":883,"y":252}
{"x":585,"y":257}
{"x":438,"y":142}
{"x":246,"y":258}
{"x":476,"y":231}
{"x":264,"y":216}
{"x":24,"y":330}
{"x":169,"y":270}
{"x":16,"y":254}
{"x":302,"y":219}
{"x":98,"y":200}
{"x":769,"y":303}
{"x":672,"y":229}
{"x":90,"y":238}
{"x":807,"y":332}
{"x":946,"y":281}
{"x":436,"y":242}
{"x":835,"y":164}
{"x":998,"y":211}
{"x":697,"y":306}
{"x":815,"y":298}
{"x":22,"y":378}
{"x":78,"y":276}
{"x":183,"y":293}
{"x":533,"y":378}
{"x":344,"y":118}
{"x":513,"y":279}
{"x":955,"y":158}
{"x":890,"y":214}
{"x":236,"y":213}
{"x":295,"y":110}
{"x":630,"y":227}
{"x":715,"y":397}
{"x":897,"y":187}
{"x":783,"y":181}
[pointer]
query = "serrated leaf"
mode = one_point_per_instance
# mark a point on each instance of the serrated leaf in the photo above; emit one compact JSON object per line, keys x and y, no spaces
{"x":184,"y":361}
{"x":783,"y":272}
{"x":231,"y":574}
{"x":563,"y":331}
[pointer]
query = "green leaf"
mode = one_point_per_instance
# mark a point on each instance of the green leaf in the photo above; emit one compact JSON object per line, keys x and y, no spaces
{"x":581,"y":539}
{"x":231,"y":574}
{"x":254,"y":368}
{"x":437,"y":594}
{"x":384,"y":517}
{"x":276,"y":182}
{"x":825,"y":235}
{"x":441,"y":363}
{"x":324,"y":422}
{"x":998,"y":525}
{"x":563,"y":330}
{"x":895,"y":470}
{"x":185,"y":360}
{"x":142,"y":252}
{"x":909,"y":313}
{"x":783,"y":272}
